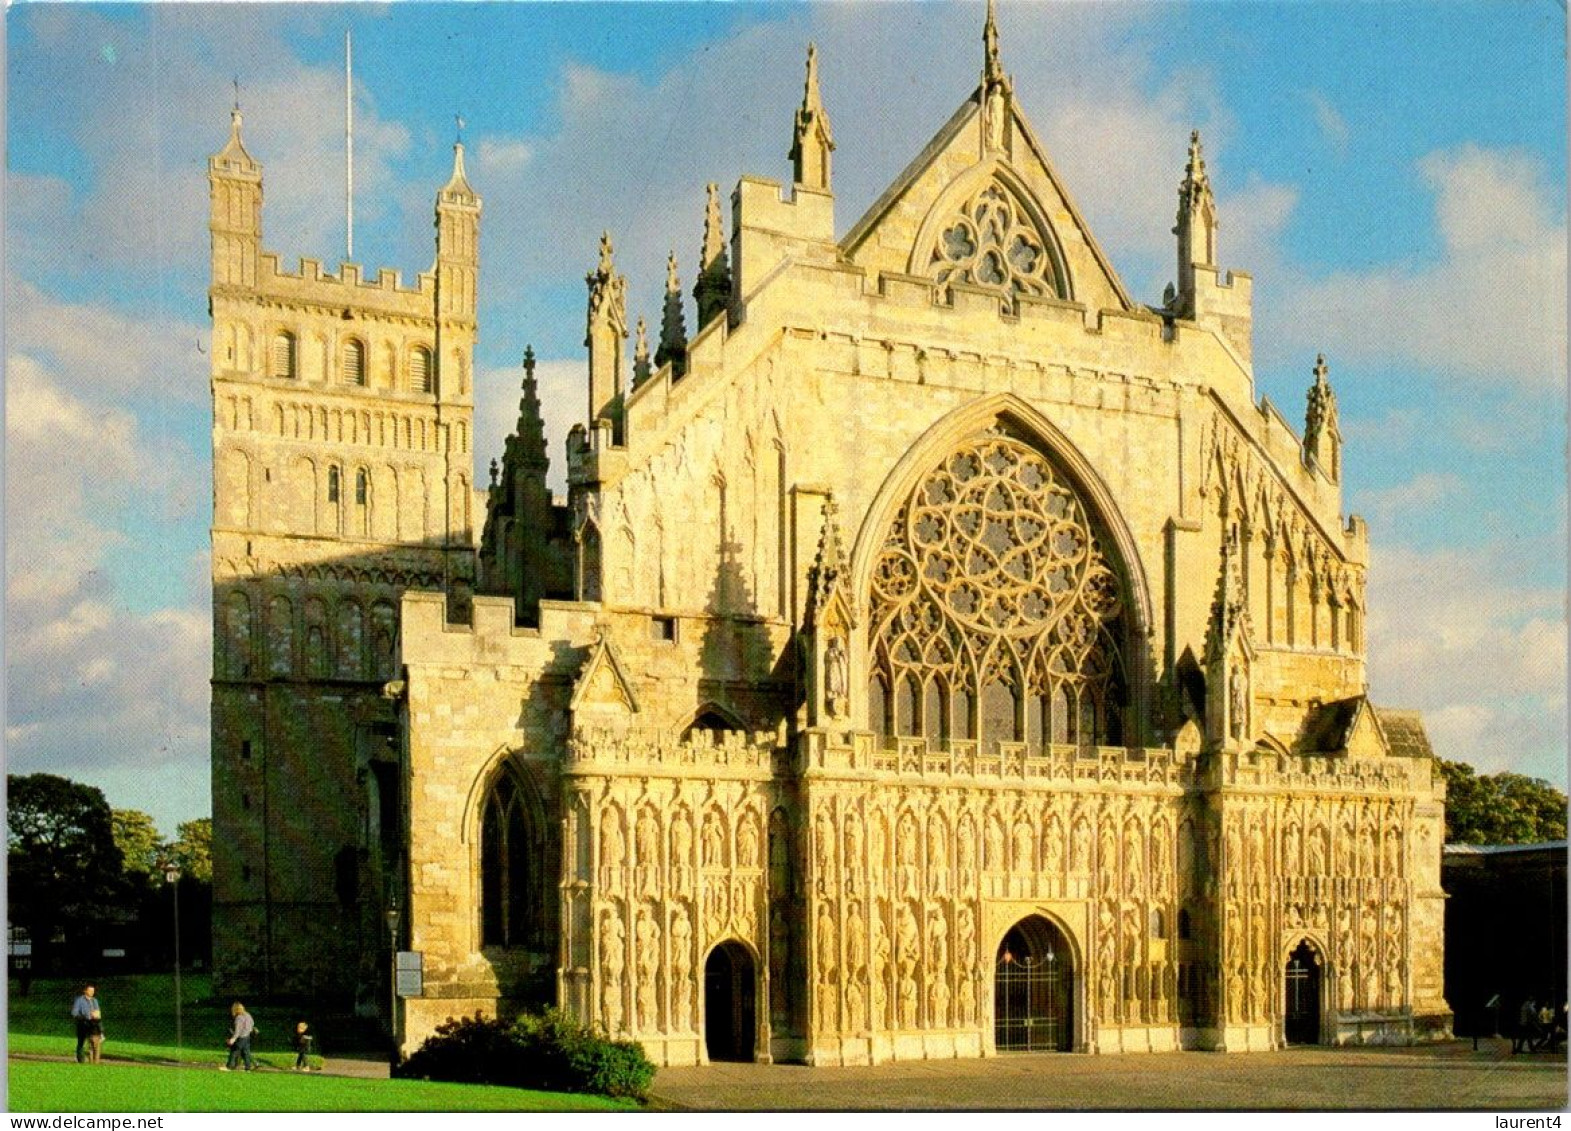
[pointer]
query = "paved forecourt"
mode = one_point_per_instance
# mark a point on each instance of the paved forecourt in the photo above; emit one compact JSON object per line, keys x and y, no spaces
{"x":1449,"y":1076}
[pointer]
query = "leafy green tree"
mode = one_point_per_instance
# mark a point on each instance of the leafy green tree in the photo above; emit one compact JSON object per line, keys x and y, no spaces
{"x":193,"y":849}
{"x":1503,"y":808}
{"x":65,"y":870}
{"x":137,"y":839}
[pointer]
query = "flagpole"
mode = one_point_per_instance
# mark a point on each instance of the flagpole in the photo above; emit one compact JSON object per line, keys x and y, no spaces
{"x":349,"y":149}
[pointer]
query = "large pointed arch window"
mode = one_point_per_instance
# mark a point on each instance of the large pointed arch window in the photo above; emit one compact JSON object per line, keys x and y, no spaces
{"x":995,"y":580}
{"x":512,"y":866}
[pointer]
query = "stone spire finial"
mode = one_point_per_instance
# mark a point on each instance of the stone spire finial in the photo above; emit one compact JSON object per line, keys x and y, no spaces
{"x":992,"y":66}
{"x":527,"y":446}
{"x":829,"y":564}
{"x":1228,"y":606}
{"x":1322,"y":433}
{"x":1196,"y":228}
{"x":1195,"y":181}
{"x":604,"y":335}
{"x":813,"y":140}
{"x":996,"y":88}
{"x":712,"y":291}
{"x":673,"y":326}
{"x":641,"y":354}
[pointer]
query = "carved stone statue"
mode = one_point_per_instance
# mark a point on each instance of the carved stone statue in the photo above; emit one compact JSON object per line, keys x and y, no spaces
{"x":746,"y":842}
{"x":681,"y":851}
{"x":1236,"y":707}
{"x":682,"y":967}
{"x":613,"y":943}
{"x":837,"y":678}
{"x":856,"y":939}
{"x":1023,"y":862}
{"x":613,"y":853}
{"x":646,"y":841}
{"x":906,"y":853}
{"x":714,"y":841}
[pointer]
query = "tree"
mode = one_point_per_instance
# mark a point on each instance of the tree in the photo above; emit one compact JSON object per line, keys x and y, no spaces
{"x":65,"y":869}
{"x":137,"y":839}
{"x":193,"y":849}
{"x":1503,"y":808}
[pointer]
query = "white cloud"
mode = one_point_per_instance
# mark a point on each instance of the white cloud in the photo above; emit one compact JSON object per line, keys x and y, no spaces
{"x":91,"y":683}
{"x":1333,"y":127}
{"x":1492,"y":308}
{"x":1481,"y":653}
{"x":109,"y":355}
{"x":1383,"y":507}
{"x":502,"y":154}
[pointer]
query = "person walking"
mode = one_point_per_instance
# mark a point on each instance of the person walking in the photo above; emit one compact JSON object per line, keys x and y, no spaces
{"x":95,"y":1035}
{"x":1526,"y":1027}
{"x":240,"y":1033}
{"x":302,"y":1048}
{"x":85,"y":1012}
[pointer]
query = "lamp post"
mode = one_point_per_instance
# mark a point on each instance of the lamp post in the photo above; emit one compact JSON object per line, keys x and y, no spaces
{"x":172,"y":878}
{"x":392,"y":965}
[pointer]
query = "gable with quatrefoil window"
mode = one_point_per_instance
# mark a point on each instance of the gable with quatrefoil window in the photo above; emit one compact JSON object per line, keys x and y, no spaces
{"x":994,"y":242}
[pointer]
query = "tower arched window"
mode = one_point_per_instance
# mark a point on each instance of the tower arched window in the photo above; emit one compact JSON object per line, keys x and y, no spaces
{"x":281,"y":360}
{"x":512,"y":867}
{"x":334,"y":490}
{"x":354,"y":362}
{"x":362,"y":488}
{"x":420,"y":370}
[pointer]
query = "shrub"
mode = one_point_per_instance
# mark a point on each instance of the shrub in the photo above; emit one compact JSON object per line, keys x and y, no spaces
{"x":549,"y":1051}
{"x":466,"y":1050}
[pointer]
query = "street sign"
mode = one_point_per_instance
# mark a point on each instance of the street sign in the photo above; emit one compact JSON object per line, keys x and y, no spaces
{"x":410,"y":973}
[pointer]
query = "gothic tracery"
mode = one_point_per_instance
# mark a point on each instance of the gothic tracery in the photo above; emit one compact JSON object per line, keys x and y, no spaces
{"x":993,"y":588}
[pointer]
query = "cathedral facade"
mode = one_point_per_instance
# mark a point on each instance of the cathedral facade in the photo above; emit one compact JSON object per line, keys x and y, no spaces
{"x":938,"y":652}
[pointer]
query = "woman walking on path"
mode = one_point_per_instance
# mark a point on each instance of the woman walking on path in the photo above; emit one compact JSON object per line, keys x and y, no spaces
{"x":240,"y":1039}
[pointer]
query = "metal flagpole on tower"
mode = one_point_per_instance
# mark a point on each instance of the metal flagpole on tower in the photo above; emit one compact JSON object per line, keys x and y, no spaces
{"x":349,"y":148}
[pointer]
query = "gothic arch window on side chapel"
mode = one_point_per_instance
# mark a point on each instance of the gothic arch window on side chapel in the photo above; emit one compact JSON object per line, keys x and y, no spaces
{"x":994,"y":582}
{"x":992,"y":243}
{"x":510,"y":881}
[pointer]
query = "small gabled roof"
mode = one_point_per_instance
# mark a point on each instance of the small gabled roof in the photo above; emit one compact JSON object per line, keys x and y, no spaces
{"x":1405,"y":733}
{"x":603,"y":682}
{"x":1337,"y":726}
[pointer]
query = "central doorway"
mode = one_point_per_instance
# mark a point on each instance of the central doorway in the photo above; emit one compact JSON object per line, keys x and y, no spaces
{"x":1033,"y":984}
{"x":730,"y":990}
{"x":1301,"y":1017}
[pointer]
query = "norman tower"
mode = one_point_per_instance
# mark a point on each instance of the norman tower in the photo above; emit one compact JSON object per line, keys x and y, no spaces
{"x":342,"y":411}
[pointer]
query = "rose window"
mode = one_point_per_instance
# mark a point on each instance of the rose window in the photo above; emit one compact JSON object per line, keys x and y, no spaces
{"x":995,"y":608}
{"x":992,"y":243}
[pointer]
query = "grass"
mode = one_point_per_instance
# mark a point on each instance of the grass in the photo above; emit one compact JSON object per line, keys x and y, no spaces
{"x":139,"y":1021}
{"x":139,"y":1026}
{"x":50,"y":1087}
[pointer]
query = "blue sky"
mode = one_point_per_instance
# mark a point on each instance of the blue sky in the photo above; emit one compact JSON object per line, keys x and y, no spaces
{"x":1392,"y":174}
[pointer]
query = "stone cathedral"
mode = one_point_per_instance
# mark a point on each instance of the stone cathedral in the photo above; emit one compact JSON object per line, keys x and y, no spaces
{"x":937,"y":653}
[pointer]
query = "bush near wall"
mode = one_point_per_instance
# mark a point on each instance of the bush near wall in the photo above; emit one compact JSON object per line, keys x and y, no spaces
{"x":549,"y":1051}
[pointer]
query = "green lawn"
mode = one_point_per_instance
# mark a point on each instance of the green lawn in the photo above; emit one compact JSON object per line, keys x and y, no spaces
{"x":72,"y":1087}
{"x":139,"y":1025}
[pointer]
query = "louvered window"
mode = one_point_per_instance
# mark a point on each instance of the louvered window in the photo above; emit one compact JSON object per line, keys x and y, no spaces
{"x":283,"y":355}
{"x":420,"y":370}
{"x":354,"y":362}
